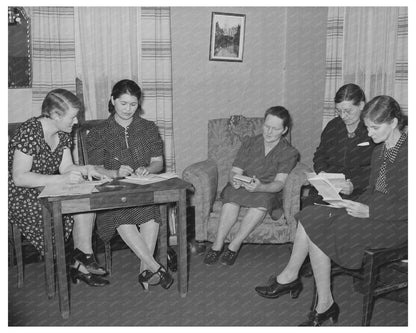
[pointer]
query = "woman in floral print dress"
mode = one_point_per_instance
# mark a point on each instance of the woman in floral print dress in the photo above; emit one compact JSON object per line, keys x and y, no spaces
{"x":39,"y":155}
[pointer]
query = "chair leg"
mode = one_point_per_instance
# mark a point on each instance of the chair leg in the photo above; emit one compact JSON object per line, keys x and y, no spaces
{"x":17,"y":240}
{"x":314,"y":297}
{"x":108,"y":257}
{"x":369,"y":284}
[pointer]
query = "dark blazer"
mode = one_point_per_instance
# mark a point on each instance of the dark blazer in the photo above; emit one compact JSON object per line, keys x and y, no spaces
{"x":340,"y":154}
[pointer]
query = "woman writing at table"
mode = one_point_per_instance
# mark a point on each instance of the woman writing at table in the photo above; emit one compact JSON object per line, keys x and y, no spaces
{"x":378,"y":218}
{"x":39,"y":155}
{"x":123,"y":145}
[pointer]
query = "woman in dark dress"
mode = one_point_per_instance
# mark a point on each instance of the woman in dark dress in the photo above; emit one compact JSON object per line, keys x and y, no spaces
{"x":39,"y":155}
{"x":267,"y":158}
{"x":127,"y":144}
{"x":345,"y":146}
{"x":377,"y":219}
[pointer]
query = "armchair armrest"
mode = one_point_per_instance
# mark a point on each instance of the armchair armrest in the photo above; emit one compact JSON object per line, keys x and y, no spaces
{"x":204,"y":178}
{"x":291,"y":194}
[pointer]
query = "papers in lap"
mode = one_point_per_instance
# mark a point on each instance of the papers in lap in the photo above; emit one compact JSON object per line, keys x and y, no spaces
{"x":150,"y":178}
{"x":328,"y":185}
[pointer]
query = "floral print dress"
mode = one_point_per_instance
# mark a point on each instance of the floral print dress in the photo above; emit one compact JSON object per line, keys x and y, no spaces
{"x":25,"y":209}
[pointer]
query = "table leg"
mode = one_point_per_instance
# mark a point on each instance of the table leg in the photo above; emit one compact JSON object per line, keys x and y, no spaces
{"x":163,"y":236}
{"x":49,"y":263}
{"x":60,"y":261}
{"x":182,"y":242}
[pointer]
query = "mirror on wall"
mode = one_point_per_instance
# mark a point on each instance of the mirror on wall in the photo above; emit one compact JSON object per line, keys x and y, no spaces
{"x":20,"y":67}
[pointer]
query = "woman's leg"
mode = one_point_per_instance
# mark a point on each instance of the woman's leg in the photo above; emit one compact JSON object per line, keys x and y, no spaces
{"x":82,"y":231}
{"x":150,"y":232}
{"x":299,"y":252}
{"x":321,"y":267}
{"x":138,"y":243}
{"x":229,"y":215}
{"x":82,"y":235}
{"x":249,"y":222}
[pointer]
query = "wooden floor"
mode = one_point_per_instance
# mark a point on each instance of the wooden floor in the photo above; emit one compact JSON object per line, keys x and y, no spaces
{"x":218,"y":296}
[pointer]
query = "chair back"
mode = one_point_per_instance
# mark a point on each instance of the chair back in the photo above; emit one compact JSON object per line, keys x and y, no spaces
{"x":224,"y":139}
{"x":80,"y":138}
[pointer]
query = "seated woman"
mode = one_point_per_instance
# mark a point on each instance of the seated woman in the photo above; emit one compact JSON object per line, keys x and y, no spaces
{"x":123,"y":145}
{"x":39,"y":155}
{"x":345,"y":146}
{"x":267,"y":158}
{"x":377,"y":219}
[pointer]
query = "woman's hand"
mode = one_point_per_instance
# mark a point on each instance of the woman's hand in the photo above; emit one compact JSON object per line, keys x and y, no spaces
{"x":141,"y":171}
{"x":124,"y":171}
{"x":72,"y":177}
{"x":236,"y":183}
{"x":347,"y":187}
{"x":253,"y":186}
{"x":356,"y":209}
{"x":92,"y":173}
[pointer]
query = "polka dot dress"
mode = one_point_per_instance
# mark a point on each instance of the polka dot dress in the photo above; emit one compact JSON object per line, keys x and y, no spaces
{"x":25,"y":209}
{"x":389,"y":156}
{"x":112,"y":145}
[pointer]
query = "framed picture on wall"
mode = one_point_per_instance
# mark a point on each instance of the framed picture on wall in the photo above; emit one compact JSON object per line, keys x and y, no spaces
{"x":227,"y":37}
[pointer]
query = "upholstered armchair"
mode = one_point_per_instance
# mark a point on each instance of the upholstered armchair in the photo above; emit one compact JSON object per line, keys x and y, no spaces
{"x":209,"y":177}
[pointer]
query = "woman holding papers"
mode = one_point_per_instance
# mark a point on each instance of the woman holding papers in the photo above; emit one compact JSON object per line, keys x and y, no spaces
{"x":40,"y":155}
{"x":345,"y":146}
{"x":266,"y":159}
{"x":377,"y":219}
{"x":127,"y":144}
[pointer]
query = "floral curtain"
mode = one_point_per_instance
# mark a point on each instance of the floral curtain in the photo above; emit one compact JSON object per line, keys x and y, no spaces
{"x":367,"y":46}
{"x":53,"y":51}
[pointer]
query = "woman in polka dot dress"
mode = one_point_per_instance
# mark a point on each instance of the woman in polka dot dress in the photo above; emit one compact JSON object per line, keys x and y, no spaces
{"x":123,"y":145}
{"x":378,"y":218}
{"x":39,"y":155}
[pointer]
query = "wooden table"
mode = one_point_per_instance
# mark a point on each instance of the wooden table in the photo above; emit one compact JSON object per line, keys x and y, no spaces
{"x":161,"y":193}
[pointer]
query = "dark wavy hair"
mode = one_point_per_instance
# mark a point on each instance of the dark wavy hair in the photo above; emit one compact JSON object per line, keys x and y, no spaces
{"x":350,"y":92}
{"x":282,"y":113}
{"x":59,"y":101}
{"x":383,"y":109}
{"x":125,"y":87}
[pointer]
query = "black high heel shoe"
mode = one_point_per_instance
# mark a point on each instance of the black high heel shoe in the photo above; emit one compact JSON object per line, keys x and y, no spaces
{"x":275,"y":289}
{"x":165,"y":279}
{"x":317,"y":319}
{"x":89,"y":262}
{"x":90,"y":279}
{"x":161,"y":276}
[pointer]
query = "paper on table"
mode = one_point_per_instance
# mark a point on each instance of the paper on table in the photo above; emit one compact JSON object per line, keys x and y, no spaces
{"x":56,"y":190}
{"x":150,"y":178}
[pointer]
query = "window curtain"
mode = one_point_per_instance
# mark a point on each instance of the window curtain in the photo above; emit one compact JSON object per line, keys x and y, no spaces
{"x":53,"y":56}
{"x":125,"y":42}
{"x":367,"y":46}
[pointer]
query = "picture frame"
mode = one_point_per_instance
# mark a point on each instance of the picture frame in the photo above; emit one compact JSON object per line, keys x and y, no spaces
{"x":227,"y":37}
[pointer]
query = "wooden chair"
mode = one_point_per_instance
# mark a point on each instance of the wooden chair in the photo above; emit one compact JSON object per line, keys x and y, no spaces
{"x":16,"y":252}
{"x":80,"y":133}
{"x":370,"y":285}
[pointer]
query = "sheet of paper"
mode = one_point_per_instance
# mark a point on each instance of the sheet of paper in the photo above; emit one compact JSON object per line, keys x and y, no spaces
{"x":150,"y":178}
{"x":326,"y":189}
{"x":57,"y":190}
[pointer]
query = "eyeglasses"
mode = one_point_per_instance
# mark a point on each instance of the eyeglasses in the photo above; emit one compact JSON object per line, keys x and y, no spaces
{"x":346,"y":112}
{"x":274,"y":129}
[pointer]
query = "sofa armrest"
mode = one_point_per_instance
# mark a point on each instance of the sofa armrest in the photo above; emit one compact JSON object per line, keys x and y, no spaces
{"x":291,"y":194}
{"x":204,"y":178}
